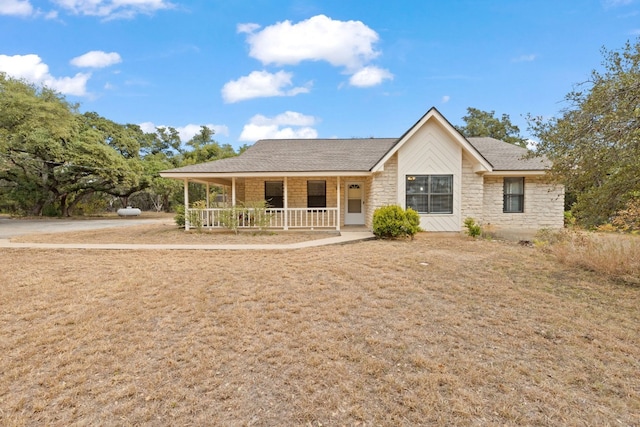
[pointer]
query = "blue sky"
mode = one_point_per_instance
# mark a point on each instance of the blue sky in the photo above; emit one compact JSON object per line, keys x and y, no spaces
{"x":310,"y":68}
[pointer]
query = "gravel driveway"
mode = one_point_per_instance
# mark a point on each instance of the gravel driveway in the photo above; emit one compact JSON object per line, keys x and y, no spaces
{"x":16,"y":227}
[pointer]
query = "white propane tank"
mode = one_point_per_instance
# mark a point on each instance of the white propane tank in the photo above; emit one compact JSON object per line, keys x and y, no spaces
{"x":129,"y":211}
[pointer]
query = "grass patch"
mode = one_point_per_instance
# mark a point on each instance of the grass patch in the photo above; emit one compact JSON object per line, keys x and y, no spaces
{"x":441,"y":330}
{"x":614,"y":255}
{"x":170,"y":234}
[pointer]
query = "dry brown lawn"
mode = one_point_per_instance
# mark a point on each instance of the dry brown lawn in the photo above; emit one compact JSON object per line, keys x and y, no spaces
{"x":442,"y":330}
{"x":170,"y":234}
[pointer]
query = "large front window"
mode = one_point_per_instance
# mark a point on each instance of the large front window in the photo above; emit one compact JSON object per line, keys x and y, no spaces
{"x":513,"y":194}
{"x":316,"y":194}
{"x":430,"y":194}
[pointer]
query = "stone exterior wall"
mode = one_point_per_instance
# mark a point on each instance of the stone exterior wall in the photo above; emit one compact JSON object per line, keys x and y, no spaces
{"x":296,"y":190}
{"x":471,"y":203}
{"x":382,"y":189}
{"x":240,"y":190}
{"x":543,"y":205}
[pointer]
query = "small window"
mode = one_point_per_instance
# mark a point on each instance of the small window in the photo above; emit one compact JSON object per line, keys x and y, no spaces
{"x":316,"y":194}
{"x":273,"y":194}
{"x":430,"y":194}
{"x":513,"y":196}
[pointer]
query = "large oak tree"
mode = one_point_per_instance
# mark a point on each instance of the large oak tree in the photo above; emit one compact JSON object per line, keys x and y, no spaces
{"x":595,"y":143}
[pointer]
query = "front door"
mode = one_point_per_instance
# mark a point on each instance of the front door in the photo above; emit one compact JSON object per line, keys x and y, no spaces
{"x":354,"y":203}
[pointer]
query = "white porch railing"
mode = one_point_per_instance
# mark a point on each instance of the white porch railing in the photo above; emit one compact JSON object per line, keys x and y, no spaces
{"x":271,"y":218}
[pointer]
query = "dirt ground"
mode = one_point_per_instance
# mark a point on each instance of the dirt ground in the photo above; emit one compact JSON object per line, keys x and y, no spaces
{"x":441,"y":330}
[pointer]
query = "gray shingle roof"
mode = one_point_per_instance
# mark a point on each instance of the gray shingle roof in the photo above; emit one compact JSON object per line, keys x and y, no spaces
{"x":341,"y":155}
{"x":301,"y":155}
{"x":507,"y":157}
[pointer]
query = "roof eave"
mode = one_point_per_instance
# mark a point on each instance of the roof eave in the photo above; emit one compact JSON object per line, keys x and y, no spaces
{"x":205,"y":175}
{"x":511,"y":172}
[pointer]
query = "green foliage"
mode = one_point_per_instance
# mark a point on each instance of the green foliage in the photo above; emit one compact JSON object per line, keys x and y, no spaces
{"x":628,"y":219}
{"x":194,"y":218}
{"x":473,"y":228}
{"x":179,"y":217}
{"x":251,"y":215}
{"x":484,"y":123}
{"x":392,"y":222}
{"x":569,"y":219}
{"x":52,"y":157}
{"x":595,"y":144}
{"x":205,"y":149}
{"x":92,"y":204}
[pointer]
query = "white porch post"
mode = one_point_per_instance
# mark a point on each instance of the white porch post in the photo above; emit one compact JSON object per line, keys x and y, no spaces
{"x":208,"y":205}
{"x":186,"y":205}
{"x":286,"y":203}
{"x":233,"y":191}
{"x":338,"y":203}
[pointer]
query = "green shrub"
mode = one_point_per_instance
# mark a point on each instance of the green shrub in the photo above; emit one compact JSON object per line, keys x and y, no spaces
{"x":473,"y":228}
{"x":569,"y":219}
{"x":251,"y":214}
{"x":179,"y":216}
{"x":392,"y":222}
{"x":194,"y":218}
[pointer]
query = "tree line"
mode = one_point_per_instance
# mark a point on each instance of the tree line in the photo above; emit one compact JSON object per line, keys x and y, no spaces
{"x":57,"y":161}
{"x":594,"y":143}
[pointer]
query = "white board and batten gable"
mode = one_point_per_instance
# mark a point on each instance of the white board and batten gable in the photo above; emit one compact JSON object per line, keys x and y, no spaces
{"x":434,"y":147}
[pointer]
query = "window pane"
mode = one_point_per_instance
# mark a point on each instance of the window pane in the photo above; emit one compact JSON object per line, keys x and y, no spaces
{"x":418,"y":203}
{"x":316,"y":194}
{"x":513,"y":195}
{"x":514,"y":185}
{"x":273,"y":193}
{"x":441,"y":204}
{"x":513,"y":203}
{"x":354,"y":206}
{"x":442,"y":184}
{"x":316,"y":188}
{"x":417,"y":184}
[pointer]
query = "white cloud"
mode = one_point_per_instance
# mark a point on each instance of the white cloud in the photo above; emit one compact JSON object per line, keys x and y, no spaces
{"x":341,"y":43}
{"x":188,"y":131}
{"x":532,"y":144}
{"x":113,"y":9}
{"x":247,"y":28}
{"x":525,"y":58}
{"x":31,"y":68}
{"x":445,"y":99}
{"x":370,"y":76}
{"x":96,"y":59}
{"x":16,"y":7}
{"x":260,"y":84}
{"x":297,"y":125}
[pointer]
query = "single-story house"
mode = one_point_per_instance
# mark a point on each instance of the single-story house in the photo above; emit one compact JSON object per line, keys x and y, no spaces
{"x":432,"y":168}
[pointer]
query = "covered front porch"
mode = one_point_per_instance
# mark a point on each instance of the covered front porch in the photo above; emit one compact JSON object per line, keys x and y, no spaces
{"x":278,"y":202}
